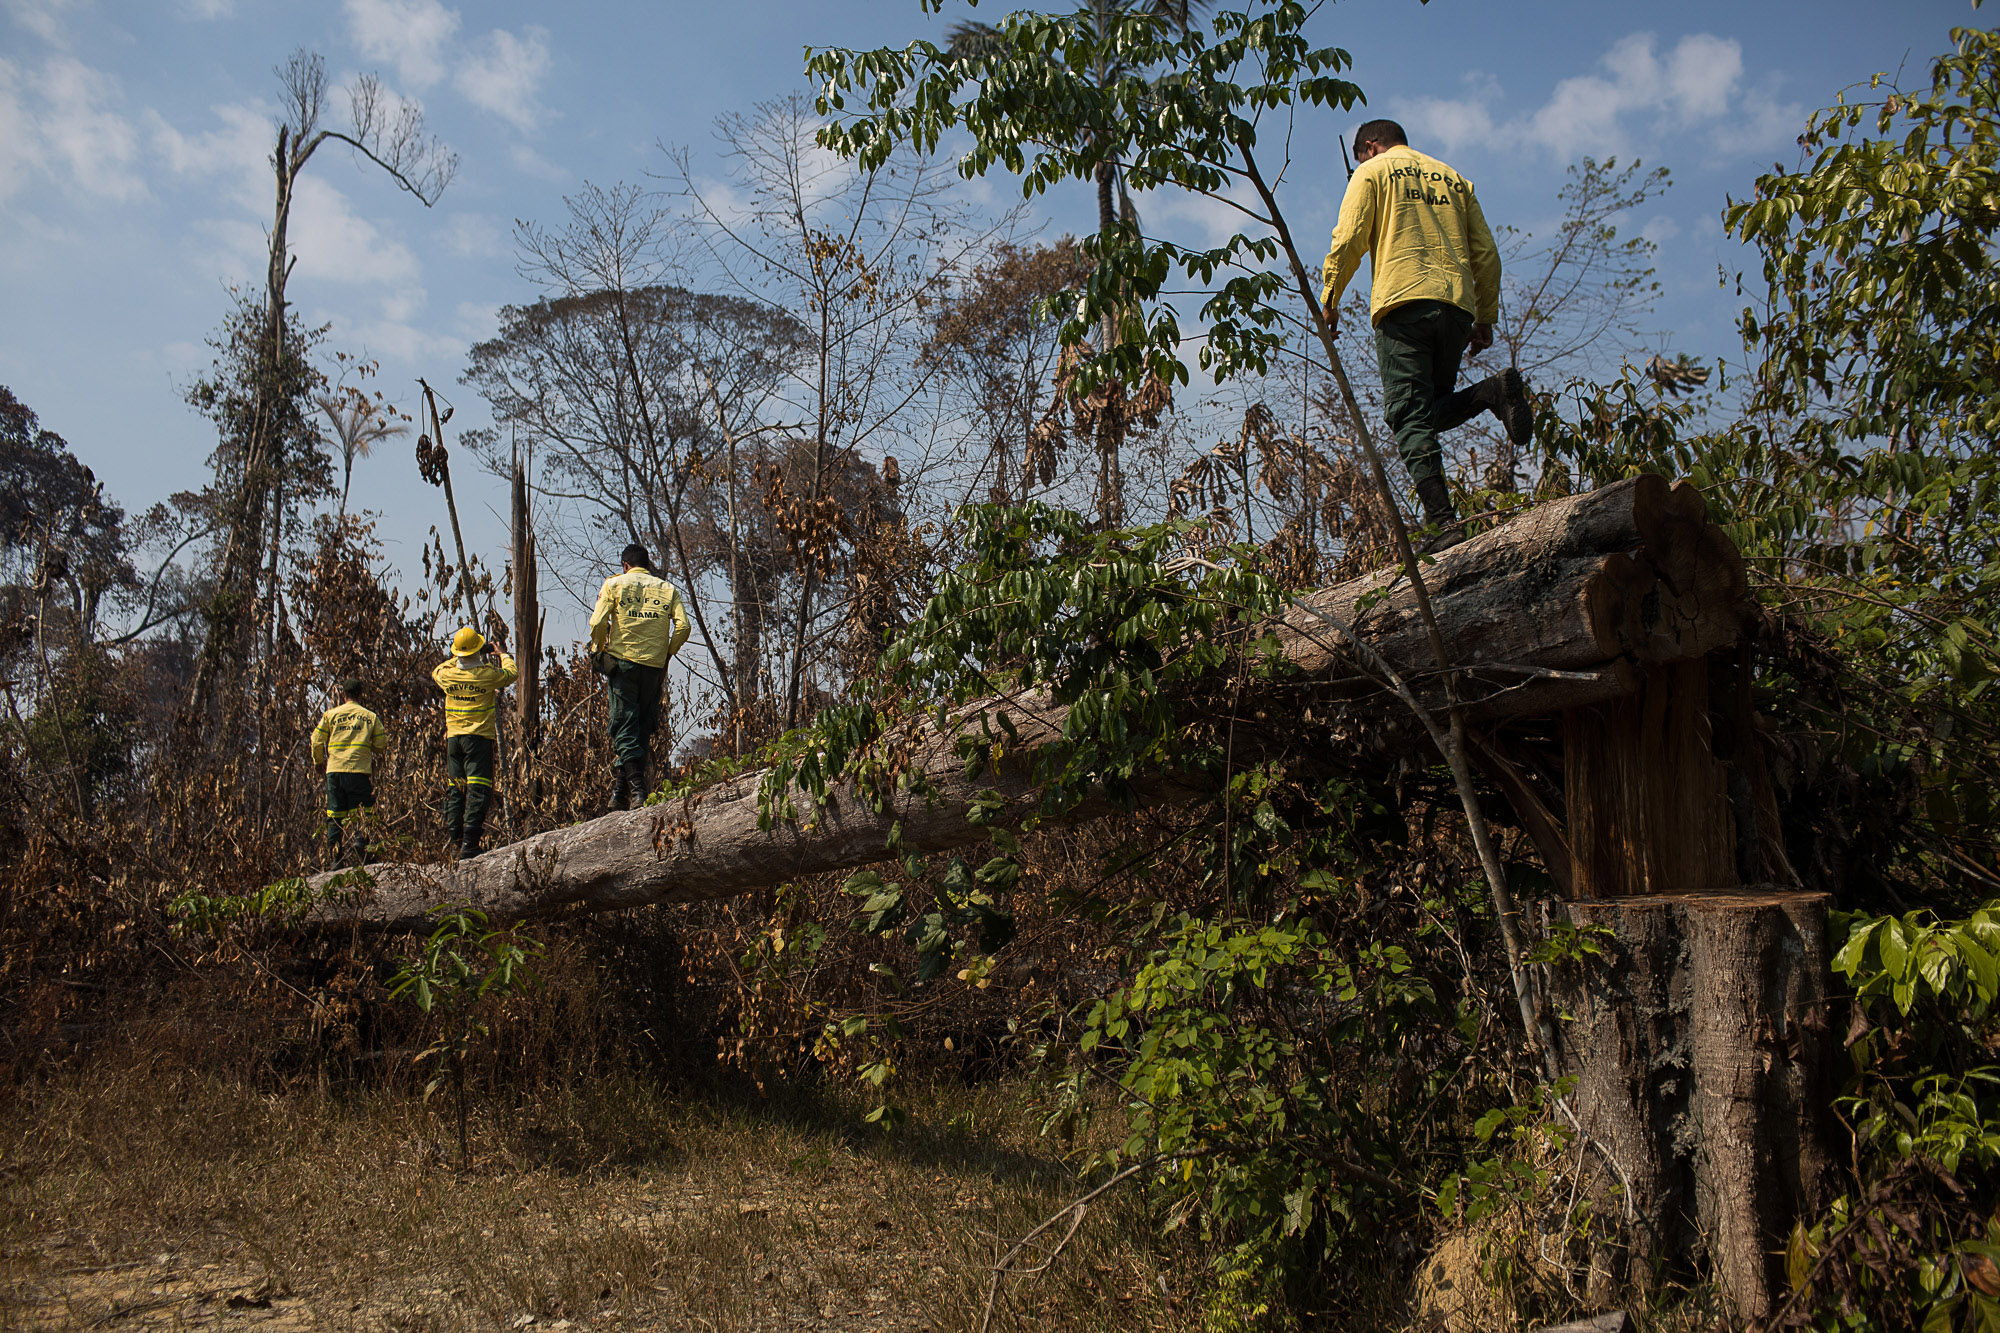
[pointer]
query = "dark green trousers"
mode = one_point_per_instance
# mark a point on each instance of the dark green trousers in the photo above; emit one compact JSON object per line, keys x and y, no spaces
{"x":468,"y":768}
{"x":635,"y":709}
{"x":1419,"y":345}
{"x":350,"y":801}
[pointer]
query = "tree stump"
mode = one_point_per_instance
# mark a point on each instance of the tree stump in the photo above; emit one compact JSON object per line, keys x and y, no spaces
{"x":1704,"y":1059}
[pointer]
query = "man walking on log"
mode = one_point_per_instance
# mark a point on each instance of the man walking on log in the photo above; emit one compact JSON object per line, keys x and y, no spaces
{"x":471,"y":680}
{"x":1436,"y":294}
{"x":638,"y":624}
{"x":346,"y":744}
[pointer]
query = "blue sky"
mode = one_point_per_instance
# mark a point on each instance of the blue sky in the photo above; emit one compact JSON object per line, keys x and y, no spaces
{"x":134,"y":189}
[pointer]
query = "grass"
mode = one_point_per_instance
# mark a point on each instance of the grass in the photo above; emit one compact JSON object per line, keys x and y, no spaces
{"x":143,"y":1193}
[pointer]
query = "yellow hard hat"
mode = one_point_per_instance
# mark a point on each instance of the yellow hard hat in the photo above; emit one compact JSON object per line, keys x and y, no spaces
{"x":467,"y":642}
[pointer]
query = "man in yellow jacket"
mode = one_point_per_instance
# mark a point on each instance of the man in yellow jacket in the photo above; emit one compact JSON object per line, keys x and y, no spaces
{"x":639,"y":622}
{"x":471,"y":680}
{"x":1436,"y":294}
{"x":346,"y":744}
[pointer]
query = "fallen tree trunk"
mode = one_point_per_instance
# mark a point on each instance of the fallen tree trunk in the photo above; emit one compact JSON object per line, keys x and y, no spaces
{"x":1560,"y":607}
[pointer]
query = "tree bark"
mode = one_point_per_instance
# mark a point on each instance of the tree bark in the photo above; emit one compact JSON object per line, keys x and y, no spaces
{"x":1564,"y":606}
{"x":527,"y":618}
{"x":1704,"y":1055}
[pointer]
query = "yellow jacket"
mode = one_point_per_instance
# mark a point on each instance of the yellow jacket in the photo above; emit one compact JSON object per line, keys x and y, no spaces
{"x":348,"y":739}
{"x":472,"y":692}
{"x":1421,"y":222}
{"x":639,"y":617}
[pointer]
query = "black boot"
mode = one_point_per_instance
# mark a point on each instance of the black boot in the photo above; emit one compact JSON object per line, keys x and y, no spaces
{"x":468,"y":846}
{"x":1506,"y":396}
{"x":1443,"y":530}
{"x":633,"y":775}
{"x":621,"y":788}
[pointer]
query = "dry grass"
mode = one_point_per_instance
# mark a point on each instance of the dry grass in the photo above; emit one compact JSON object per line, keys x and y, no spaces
{"x":139,"y":1195}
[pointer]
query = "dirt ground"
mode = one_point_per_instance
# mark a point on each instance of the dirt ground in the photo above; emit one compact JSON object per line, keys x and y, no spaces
{"x":166,"y":1199}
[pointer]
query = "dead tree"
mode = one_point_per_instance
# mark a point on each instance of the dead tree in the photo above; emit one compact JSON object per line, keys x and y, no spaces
{"x":390,"y":133}
{"x":525,"y":567}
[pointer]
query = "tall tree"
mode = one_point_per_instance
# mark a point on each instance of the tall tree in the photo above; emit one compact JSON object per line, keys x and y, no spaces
{"x":1196,"y":120}
{"x":612,"y":379}
{"x":56,"y":524}
{"x":861,"y":258}
{"x":1111,"y":65}
{"x":63,"y":548}
{"x":996,"y":338}
{"x":389,"y":133}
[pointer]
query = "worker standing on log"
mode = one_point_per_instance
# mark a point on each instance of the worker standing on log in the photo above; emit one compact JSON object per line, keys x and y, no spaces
{"x":346,"y":743}
{"x":471,"y":680}
{"x":1436,"y":294}
{"x":640,"y":622}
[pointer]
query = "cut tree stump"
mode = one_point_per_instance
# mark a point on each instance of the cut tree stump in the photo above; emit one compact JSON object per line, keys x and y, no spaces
{"x":1565,"y":605}
{"x":1705,"y":1056}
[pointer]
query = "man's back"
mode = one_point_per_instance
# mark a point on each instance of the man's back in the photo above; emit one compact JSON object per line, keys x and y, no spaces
{"x":639,"y":617}
{"x":471,"y":687}
{"x":346,"y":739}
{"x":1422,"y":223}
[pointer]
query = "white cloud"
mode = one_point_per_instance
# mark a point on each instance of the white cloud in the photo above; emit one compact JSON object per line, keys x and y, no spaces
{"x":533,"y":163}
{"x":474,"y":236}
{"x":412,"y":33}
{"x":1660,"y":230}
{"x":1452,"y":123}
{"x":207,"y":10}
{"x":477,"y":320}
{"x":504,"y":73}
{"x":59,"y":121}
{"x":44,"y":18}
{"x":397,"y":341}
{"x":1701,"y":75}
{"x":97,"y":144}
{"x":1761,"y":125}
{"x":1215,"y":219}
{"x":17,"y":157}
{"x":1692,"y":84}
{"x":181,"y":358}
{"x":1638,"y":94}
{"x":241,"y":146}
{"x":334,"y":244}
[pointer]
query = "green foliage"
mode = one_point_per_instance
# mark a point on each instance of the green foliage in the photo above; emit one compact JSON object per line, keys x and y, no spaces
{"x":282,"y":902}
{"x":1226,"y":1038}
{"x":1916,"y":961}
{"x":461,"y":962}
{"x":1110,"y":624}
{"x":1568,"y":942}
{"x":1911,"y":1241}
{"x":966,"y":900}
{"x":1879,"y":257}
{"x":1511,"y":1170}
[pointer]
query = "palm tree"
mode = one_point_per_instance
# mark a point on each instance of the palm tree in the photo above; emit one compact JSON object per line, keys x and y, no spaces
{"x":359,"y":425}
